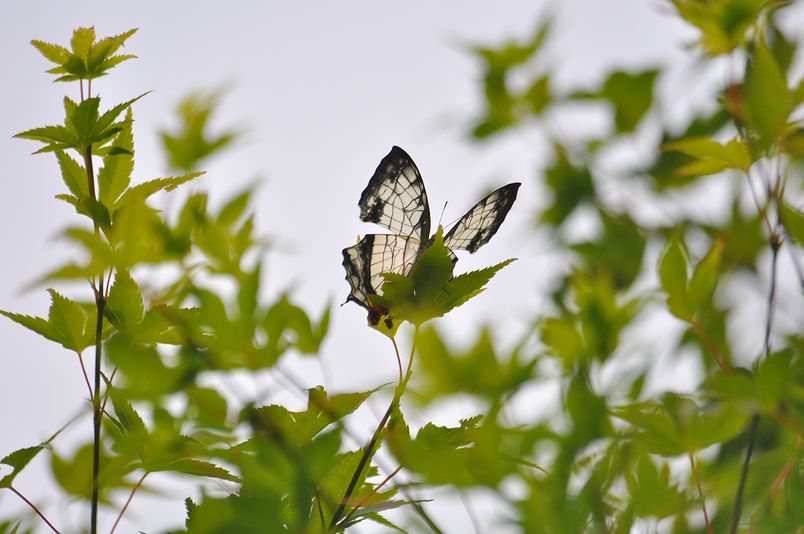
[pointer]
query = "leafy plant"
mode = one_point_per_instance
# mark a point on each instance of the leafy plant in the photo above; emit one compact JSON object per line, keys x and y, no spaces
{"x":616,"y":447}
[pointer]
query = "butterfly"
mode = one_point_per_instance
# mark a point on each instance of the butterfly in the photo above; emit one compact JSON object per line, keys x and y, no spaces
{"x":395,"y":199}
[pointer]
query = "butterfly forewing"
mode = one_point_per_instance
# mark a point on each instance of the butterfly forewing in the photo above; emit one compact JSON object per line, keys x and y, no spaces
{"x":373,"y":255}
{"x":395,"y":197}
{"x":474,"y":229}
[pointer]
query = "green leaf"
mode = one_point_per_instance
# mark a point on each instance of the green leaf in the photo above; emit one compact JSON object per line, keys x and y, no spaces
{"x":723,"y":23}
{"x":570,"y":186}
{"x":69,"y":319}
{"x":73,"y":174}
{"x":673,"y":277}
{"x":652,"y":492}
{"x":52,"y":52}
{"x":36,"y":324}
{"x":140,"y":192}
{"x":631,"y":96}
{"x":82,"y":41}
{"x":192,"y":142}
{"x":115,"y":175}
{"x":17,"y":460}
{"x":200,"y":468}
{"x":767,"y":100}
{"x":124,"y":307}
{"x":711,"y":157}
{"x":705,"y":276}
{"x":793,"y":220}
{"x":81,"y":122}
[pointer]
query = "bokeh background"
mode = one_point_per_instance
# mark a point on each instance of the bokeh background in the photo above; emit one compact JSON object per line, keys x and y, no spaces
{"x":321,"y":91}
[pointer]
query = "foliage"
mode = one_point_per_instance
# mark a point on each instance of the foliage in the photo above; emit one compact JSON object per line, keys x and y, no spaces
{"x":721,"y":453}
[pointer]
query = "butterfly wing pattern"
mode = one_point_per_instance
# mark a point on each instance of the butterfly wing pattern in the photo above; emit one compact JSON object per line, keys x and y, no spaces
{"x":395,"y":199}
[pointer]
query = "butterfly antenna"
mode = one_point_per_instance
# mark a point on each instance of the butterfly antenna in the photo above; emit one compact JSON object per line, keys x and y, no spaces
{"x":440,"y":217}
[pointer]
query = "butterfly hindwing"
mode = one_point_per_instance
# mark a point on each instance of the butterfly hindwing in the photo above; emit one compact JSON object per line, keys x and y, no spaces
{"x":395,"y":197}
{"x":373,"y":255}
{"x":476,"y":227}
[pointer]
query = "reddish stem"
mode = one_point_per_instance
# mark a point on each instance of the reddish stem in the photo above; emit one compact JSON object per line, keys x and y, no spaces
{"x":34,"y":508}
{"x":84,"y":370}
{"x":373,"y":492}
{"x":128,"y":501}
{"x":695,"y":475}
{"x":710,"y":346}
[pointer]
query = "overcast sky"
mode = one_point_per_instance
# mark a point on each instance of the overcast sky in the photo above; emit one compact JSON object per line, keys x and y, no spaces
{"x":324,"y":89}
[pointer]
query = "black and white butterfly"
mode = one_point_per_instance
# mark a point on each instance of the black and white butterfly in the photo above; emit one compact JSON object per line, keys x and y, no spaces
{"x":395,"y":199}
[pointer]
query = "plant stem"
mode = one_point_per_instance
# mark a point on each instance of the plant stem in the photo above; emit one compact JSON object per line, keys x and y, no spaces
{"x":34,"y":508}
{"x":373,"y":492}
{"x":696,"y":476}
{"x":738,"y":500}
{"x":100,"y":305}
{"x":128,"y":501}
{"x":710,"y":346}
{"x":369,"y":449}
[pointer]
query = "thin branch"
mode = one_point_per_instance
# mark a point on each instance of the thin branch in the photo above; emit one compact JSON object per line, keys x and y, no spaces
{"x":84,"y":371}
{"x":369,"y":450}
{"x":771,"y":292}
{"x":468,"y":507}
{"x":128,"y":501}
{"x":34,"y":508}
{"x":398,"y":358}
{"x":710,"y":346}
{"x":777,"y":485}
{"x":697,"y":478}
{"x":738,"y":501}
{"x":373,"y":492}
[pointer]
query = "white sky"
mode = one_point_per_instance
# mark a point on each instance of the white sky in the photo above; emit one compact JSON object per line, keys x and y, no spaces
{"x":324,"y":89}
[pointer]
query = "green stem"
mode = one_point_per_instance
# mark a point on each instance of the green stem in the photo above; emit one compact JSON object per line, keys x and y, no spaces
{"x":369,"y":449}
{"x":100,"y":305}
{"x":697,"y":477}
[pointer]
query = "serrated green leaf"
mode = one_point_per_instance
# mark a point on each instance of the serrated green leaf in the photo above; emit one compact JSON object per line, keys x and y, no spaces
{"x":767,"y":101}
{"x":144,"y":190}
{"x":69,"y":319}
{"x":36,"y":324}
{"x":652,"y":493}
{"x":81,"y":122}
{"x":124,"y":305}
{"x":52,"y":52}
{"x":115,"y":175}
{"x":200,"y":468}
{"x":82,"y":41}
{"x":17,"y":460}
{"x":73,"y":174}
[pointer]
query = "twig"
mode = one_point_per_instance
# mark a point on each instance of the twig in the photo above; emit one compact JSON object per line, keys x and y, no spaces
{"x":710,"y":346}
{"x":373,"y":492}
{"x":398,"y":358}
{"x":34,"y":508}
{"x":696,"y":476}
{"x":777,"y":485}
{"x":128,"y":501}
{"x":738,"y":500}
{"x":368,"y":451}
{"x":84,"y":372}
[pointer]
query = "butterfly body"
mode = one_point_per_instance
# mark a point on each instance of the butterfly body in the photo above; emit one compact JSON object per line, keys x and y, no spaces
{"x":395,"y":198}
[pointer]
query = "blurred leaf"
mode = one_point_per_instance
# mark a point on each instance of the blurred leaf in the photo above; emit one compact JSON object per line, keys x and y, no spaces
{"x":478,"y":371}
{"x":705,"y":276}
{"x":767,"y":100}
{"x":711,"y":157}
{"x":652,"y":493}
{"x":793,"y":220}
{"x":187,"y":146}
{"x":570,"y":186}
{"x":673,"y":277}
{"x":630,"y":95}
{"x":723,"y":23}
{"x":617,"y":254}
